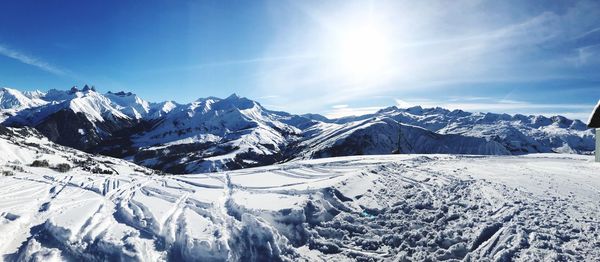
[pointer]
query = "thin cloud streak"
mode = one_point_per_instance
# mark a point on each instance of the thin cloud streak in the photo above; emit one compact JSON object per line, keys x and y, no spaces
{"x":32,"y":61}
{"x":252,"y":60}
{"x":339,"y":106}
{"x":268,"y":97}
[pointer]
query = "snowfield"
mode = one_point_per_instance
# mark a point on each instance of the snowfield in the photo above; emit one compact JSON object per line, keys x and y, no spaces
{"x":366,"y":208}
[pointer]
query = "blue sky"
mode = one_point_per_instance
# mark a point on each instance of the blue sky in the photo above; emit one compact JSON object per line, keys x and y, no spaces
{"x":330,"y":57}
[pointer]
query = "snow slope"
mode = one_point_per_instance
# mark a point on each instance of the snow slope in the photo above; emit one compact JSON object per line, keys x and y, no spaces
{"x":394,"y":207}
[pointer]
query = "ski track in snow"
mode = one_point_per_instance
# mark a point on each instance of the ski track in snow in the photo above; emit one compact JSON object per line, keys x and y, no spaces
{"x":378,"y":208}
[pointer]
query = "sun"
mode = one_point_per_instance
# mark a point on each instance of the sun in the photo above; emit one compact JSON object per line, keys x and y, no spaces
{"x":362,"y":51}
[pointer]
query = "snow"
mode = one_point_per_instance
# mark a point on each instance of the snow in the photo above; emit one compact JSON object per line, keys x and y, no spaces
{"x":94,"y":106}
{"x":15,"y":99}
{"x":409,"y":206}
{"x":380,"y":135}
{"x":267,"y":201}
{"x":138,"y":108}
{"x":380,"y":207}
{"x":214,"y":134}
{"x":159,"y":110}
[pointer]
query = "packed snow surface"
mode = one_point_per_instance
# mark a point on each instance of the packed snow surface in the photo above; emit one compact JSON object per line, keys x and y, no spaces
{"x":393,"y":207}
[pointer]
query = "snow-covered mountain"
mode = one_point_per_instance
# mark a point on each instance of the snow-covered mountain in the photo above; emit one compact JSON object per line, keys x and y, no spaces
{"x":12,"y":101}
{"x":383,"y":135}
{"x":75,"y":118}
{"x":15,"y":99}
{"x":212,"y":134}
{"x":136,"y":108}
{"x":517,"y":133}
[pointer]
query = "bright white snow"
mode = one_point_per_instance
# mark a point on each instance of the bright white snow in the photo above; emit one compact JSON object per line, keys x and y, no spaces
{"x":394,"y":207}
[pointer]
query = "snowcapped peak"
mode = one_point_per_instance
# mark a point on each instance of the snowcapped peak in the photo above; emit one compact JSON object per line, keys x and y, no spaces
{"x":241,"y":103}
{"x":120,"y":93}
{"x":158,"y":110}
{"x":34,"y":94}
{"x":94,"y":105}
{"x":87,"y":88}
{"x":9,"y":90}
{"x":415,"y":108}
{"x":234,"y":96}
{"x":15,"y":99}
{"x":88,"y":101}
{"x":60,"y":95}
{"x":215,"y":103}
{"x":130,"y":104}
{"x":211,"y":99}
{"x":168,"y":106}
{"x":388,"y":109}
{"x":12,"y":91}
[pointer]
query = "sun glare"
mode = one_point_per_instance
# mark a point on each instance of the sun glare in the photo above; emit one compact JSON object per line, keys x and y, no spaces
{"x":363,"y":51}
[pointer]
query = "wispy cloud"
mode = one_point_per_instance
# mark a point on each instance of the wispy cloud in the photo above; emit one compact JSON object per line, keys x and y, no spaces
{"x":339,"y":106}
{"x":253,"y":60}
{"x":268,"y":97}
{"x":32,"y":61}
{"x":274,"y":107}
{"x":588,"y":33}
{"x":587,"y":54}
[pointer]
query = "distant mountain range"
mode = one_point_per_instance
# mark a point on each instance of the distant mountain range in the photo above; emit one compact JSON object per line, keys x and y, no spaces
{"x":212,"y":134}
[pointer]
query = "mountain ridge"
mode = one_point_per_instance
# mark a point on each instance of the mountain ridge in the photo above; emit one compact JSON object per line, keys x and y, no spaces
{"x":213,"y":134}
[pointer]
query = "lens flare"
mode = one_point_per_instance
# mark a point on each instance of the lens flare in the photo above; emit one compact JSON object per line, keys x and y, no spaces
{"x":362,"y":51}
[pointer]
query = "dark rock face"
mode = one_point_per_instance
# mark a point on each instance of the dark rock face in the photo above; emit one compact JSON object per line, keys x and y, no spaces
{"x":70,"y":129}
{"x":75,"y":130}
{"x":4,"y":130}
{"x":119,"y":143}
{"x":595,"y":117}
